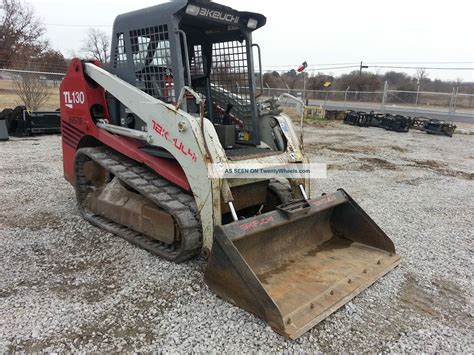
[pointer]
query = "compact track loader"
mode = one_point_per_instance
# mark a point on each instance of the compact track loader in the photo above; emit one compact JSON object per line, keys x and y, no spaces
{"x":138,"y":140}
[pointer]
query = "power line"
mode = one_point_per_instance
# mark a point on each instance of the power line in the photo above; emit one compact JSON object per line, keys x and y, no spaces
{"x":316,"y":69}
{"x":419,"y":62}
{"x":372,"y":64}
{"x":427,"y":68}
{"x":73,"y":25}
{"x":309,"y":66}
{"x":333,"y":68}
{"x":313,"y":69}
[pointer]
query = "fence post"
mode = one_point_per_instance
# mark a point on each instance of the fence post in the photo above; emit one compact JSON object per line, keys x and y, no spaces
{"x":451,"y":101}
{"x":345,"y":98}
{"x":417,"y":95}
{"x":384,"y":97}
{"x":268,"y":87}
{"x":455,"y":100}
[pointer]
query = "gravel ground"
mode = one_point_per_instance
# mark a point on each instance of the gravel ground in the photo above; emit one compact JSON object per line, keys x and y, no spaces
{"x":67,"y":286}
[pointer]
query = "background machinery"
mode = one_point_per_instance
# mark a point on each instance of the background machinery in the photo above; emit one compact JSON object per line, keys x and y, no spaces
{"x":20,"y":122}
{"x":399,"y":123}
{"x":138,"y":143}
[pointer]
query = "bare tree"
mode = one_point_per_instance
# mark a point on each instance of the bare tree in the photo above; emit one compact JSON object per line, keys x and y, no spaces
{"x":421,"y":75}
{"x":21,"y":32}
{"x":32,"y":89}
{"x":96,"y":45}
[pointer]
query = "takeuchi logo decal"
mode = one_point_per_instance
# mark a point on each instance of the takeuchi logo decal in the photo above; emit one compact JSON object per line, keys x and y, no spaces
{"x":177,"y":144}
{"x":218,"y":15}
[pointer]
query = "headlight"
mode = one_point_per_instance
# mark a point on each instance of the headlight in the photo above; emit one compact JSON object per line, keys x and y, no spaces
{"x":193,"y":10}
{"x":252,"y":24}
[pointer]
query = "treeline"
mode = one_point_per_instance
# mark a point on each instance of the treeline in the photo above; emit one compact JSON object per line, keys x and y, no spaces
{"x":22,"y":42}
{"x":365,"y":81}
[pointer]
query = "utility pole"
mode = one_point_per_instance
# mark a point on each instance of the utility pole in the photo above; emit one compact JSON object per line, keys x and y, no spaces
{"x":362,"y":67}
{"x":301,"y":69}
{"x":305,"y":97}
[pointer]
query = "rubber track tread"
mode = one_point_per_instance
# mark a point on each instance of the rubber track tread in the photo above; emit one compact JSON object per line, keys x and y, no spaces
{"x":179,"y":204}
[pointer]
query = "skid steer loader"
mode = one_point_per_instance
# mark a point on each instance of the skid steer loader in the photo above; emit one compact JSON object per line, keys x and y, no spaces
{"x":138,"y":140}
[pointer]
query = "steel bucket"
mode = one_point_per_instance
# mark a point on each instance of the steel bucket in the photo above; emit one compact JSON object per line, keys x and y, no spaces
{"x":296,"y":265}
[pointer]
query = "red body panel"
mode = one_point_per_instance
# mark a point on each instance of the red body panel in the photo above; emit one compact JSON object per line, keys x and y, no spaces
{"x":77,"y":96}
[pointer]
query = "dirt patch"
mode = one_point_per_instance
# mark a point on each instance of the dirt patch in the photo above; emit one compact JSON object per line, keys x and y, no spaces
{"x":321,"y":123}
{"x":446,"y":302}
{"x":451,"y":294}
{"x":366,"y":164}
{"x":342,"y":135}
{"x":459,"y":174}
{"x":37,"y":221}
{"x":441,"y":168}
{"x":413,"y":182}
{"x":19,"y":287}
{"x":336,"y":167}
{"x":343,"y":150}
{"x":364,"y":167}
{"x":450,"y":289}
{"x":334,"y":147}
{"x":89,"y":292}
{"x":412,"y":296}
{"x":378,"y":163}
{"x":398,"y":149}
{"x":430,"y":164}
{"x":412,"y":299}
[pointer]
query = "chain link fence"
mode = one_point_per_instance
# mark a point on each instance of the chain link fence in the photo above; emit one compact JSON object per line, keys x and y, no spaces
{"x":292,"y":105}
{"x":381,"y":100}
{"x":37,"y":90}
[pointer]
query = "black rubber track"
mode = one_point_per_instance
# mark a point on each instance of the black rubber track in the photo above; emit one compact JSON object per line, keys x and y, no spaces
{"x":178,"y":203}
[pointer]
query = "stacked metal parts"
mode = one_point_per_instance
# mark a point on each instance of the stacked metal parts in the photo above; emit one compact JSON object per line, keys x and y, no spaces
{"x":20,"y":122}
{"x":432,"y":126}
{"x":399,"y":123}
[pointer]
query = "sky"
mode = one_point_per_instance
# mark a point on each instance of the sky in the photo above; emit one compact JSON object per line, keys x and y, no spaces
{"x":325,"y":34}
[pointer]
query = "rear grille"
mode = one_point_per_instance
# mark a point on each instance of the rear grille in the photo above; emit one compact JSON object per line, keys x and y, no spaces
{"x":71,"y":135}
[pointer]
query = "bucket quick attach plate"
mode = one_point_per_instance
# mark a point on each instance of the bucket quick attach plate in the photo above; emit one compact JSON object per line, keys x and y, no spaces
{"x":295,"y":269}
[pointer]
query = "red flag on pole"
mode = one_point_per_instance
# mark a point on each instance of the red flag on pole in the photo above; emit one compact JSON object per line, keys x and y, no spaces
{"x":302,"y":67}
